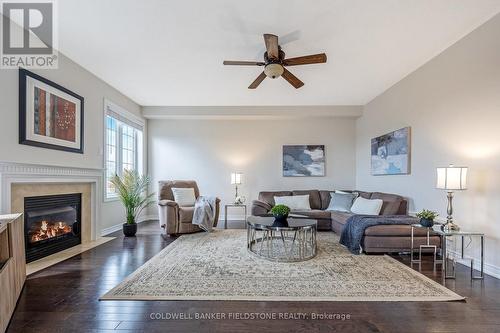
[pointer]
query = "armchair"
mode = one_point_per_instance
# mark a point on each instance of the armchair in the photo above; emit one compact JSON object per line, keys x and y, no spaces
{"x":174,"y":218}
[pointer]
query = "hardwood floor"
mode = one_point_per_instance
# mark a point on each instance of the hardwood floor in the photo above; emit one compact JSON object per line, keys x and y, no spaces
{"x":64,"y":298}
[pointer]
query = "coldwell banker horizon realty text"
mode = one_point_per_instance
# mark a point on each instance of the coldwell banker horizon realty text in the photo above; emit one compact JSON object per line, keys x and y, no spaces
{"x":29,"y":34}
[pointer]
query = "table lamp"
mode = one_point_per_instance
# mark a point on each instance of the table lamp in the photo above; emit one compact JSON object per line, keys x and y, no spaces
{"x":236,"y":180}
{"x":451,"y":179}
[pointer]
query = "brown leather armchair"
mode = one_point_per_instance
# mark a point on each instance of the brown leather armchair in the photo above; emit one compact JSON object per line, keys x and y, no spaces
{"x":174,"y":218}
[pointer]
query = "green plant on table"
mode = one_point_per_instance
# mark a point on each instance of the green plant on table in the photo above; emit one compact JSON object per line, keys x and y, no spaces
{"x":427,"y":214}
{"x":131,"y":189}
{"x":280,"y":210}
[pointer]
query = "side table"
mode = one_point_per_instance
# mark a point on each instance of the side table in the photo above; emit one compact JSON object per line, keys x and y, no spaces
{"x":233,"y":205}
{"x":462,"y":234}
{"x":444,"y":250}
{"x":423,"y":246}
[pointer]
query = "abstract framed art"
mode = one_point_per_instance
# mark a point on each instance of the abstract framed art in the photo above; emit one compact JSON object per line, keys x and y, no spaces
{"x":390,"y":153}
{"x":50,"y":116}
{"x":303,"y":160}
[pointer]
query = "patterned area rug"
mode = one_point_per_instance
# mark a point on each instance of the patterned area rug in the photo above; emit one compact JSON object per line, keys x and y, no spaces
{"x":217,"y":266}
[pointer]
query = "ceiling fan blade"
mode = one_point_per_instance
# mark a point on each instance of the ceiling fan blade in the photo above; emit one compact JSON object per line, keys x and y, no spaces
{"x":243,"y":63}
{"x":292,"y":79}
{"x":306,"y":60}
{"x":257,"y":81}
{"x":271,"y":45}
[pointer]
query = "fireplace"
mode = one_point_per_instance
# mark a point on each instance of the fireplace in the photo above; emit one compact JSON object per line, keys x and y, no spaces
{"x":52,"y":223}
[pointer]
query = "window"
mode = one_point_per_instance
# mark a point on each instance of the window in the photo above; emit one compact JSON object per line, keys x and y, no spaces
{"x":123,"y":148}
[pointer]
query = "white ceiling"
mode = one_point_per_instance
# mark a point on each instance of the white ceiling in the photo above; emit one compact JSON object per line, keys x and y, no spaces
{"x":171,"y":52}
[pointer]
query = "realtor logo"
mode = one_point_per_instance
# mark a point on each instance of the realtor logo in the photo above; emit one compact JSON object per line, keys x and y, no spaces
{"x":28,"y":34}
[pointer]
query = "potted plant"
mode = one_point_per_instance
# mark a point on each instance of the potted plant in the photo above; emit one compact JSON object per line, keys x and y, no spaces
{"x":131,"y":189}
{"x":427,"y":217}
{"x":280,"y":213}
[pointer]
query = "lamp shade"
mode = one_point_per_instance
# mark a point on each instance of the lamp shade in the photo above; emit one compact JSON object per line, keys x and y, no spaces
{"x":452,"y":178}
{"x":236,"y":178}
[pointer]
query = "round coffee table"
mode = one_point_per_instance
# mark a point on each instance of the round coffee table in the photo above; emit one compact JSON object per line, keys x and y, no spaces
{"x":292,"y":242}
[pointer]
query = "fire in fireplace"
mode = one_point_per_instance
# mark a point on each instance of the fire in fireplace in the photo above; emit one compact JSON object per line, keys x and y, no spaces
{"x":52,"y":224}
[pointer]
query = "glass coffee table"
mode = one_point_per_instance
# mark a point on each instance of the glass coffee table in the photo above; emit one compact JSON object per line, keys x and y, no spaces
{"x":290,"y":242}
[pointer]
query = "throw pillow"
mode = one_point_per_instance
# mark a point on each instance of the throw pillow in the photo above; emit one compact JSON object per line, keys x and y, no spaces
{"x":184,"y":196}
{"x":364,"y":206}
{"x":341,"y":202}
{"x":294,"y":202}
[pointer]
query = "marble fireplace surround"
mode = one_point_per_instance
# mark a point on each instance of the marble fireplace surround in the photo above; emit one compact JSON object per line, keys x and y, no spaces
{"x":18,"y":181}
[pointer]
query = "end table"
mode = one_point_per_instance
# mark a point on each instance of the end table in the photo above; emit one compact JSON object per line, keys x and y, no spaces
{"x":233,"y":205}
{"x":423,"y":246}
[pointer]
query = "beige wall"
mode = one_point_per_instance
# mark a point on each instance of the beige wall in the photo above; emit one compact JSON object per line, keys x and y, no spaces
{"x":209,"y":150}
{"x":452,"y":104}
{"x":75,"y":78}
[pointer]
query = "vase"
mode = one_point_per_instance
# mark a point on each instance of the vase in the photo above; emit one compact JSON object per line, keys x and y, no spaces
{"x":280,"y":221}
{"x":426,"y":223}
{"x":129,"y":230}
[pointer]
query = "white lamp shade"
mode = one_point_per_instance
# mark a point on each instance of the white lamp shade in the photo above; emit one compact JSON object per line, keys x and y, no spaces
{"x":236,"y":178}
{"x":452,"y":178}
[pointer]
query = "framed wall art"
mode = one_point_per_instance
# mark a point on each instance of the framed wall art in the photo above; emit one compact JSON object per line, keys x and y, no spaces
{"x":390,"y":153}
{"x":50,"y":116}
{"x":303,"y":160}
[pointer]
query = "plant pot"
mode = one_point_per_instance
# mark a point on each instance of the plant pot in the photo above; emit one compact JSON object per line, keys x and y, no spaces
{"x":426,"y":223}
{"x":280,"y":221}
{"x":129,"y":230}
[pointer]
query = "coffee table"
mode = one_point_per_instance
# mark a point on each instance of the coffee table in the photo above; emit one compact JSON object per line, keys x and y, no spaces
{"x":291,"y":242}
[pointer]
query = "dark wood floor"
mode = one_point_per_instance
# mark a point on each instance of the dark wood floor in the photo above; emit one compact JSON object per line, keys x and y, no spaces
{"x":64,"y":298}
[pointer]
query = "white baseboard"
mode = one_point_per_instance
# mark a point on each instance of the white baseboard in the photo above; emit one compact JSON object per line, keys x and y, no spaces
{"x":109,"y":230}
{"x":232,"y":217}
{"x":488,"y":268}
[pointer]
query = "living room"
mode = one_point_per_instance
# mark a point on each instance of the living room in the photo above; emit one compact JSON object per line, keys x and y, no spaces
{"x":284,"y":160}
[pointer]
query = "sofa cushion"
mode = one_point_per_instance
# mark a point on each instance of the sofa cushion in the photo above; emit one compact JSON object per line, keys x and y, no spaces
{"x":391,"y":202}
{"x":325,"y":198}
{"x":340,"y":217}
{"x":165,"y":188}
{"x":314,"y":198}
{"x":268,"y":196}
{"x":294,"y":202}
{"x":395,"y":230}
{"x":314,"y":213}
{"x":186,"y":214}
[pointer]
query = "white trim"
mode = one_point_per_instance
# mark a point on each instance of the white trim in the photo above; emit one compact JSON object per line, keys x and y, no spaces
{"x":488,"y":268}
{"x":225,"y":112}
{"x":15,"y":173}
{"x":123,"y":112}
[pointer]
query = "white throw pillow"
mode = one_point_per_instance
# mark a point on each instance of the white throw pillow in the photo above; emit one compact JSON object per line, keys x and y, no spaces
{"x":366,"y":206}
{"x":184,"y":196}
{"x":294,"y":202}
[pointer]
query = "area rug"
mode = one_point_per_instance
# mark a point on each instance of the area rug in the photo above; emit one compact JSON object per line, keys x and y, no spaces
{"x":217,"y":266}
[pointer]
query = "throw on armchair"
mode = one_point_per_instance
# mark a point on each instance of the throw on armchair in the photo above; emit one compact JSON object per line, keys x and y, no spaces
{"x":174,"y":218}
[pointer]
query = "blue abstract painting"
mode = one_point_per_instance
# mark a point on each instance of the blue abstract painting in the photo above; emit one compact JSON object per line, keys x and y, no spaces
{"x":390,"y":153}
{"x":303,"y":160}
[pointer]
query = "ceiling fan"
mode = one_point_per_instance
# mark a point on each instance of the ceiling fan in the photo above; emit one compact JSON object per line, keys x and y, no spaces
{"x":274,"y":63}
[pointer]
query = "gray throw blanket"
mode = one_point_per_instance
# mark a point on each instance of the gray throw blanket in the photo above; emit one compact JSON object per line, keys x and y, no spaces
{"x":354,"y":229}
{"x":204,"y":212}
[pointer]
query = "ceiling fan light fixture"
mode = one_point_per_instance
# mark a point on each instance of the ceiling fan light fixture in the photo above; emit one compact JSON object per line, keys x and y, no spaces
{"x":273,"y":71}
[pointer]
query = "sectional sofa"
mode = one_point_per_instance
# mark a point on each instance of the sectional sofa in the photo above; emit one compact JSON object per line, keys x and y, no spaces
{"x":377,"y":239}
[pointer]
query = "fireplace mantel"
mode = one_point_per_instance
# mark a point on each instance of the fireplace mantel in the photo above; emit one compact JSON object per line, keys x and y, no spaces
{"x":18,"y":173}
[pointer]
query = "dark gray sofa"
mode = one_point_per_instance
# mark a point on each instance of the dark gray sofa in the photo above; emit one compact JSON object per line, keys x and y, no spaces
{"x":377,"y":239}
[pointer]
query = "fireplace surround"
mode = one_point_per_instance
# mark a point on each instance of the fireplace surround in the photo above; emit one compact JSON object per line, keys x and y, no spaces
{"x":52,"y":223}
